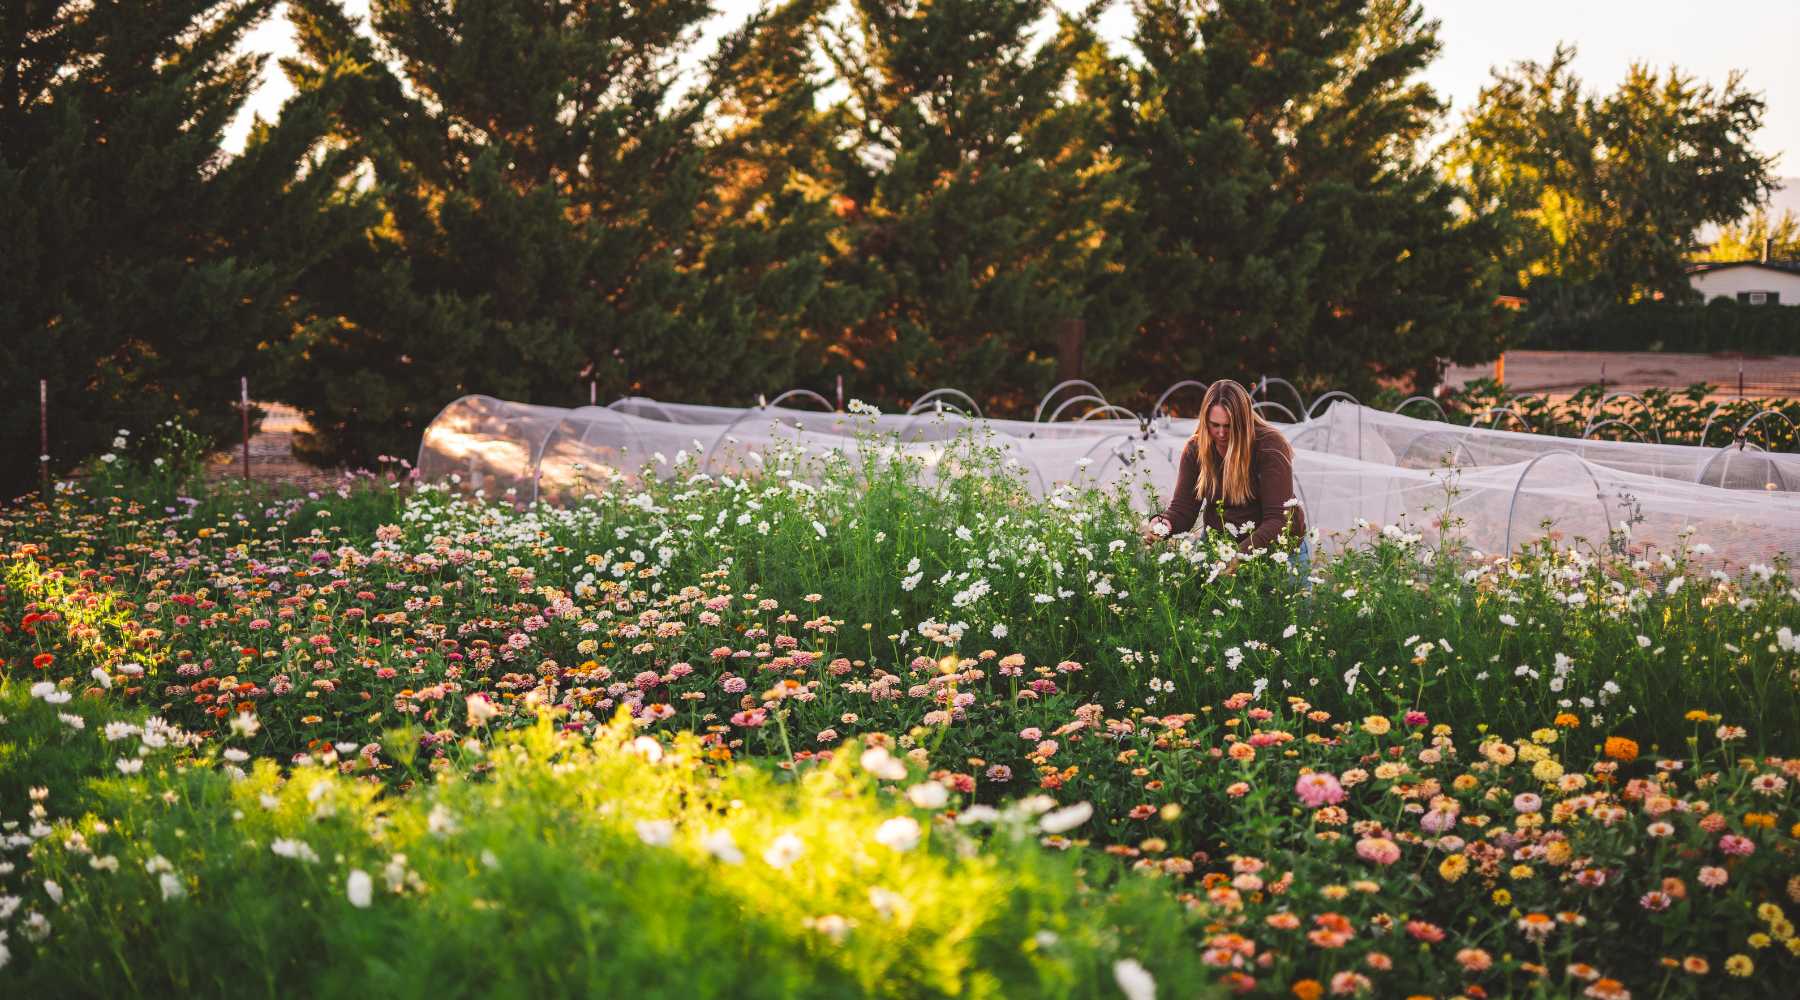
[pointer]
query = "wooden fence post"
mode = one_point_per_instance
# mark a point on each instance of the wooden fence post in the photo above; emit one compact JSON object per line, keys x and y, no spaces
{"x":1070,"y":334}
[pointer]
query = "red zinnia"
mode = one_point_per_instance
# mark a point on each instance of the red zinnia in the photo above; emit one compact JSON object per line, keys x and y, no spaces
{"x":43,"y":660}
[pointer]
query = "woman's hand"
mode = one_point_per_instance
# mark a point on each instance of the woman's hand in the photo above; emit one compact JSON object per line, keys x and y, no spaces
{"x":1155,"y":530}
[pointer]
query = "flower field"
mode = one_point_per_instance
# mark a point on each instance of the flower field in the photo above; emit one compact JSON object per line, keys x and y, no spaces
{"x":830,"y":732}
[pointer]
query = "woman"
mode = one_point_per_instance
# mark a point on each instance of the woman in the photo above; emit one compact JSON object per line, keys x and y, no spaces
{"x":1237,"y":462}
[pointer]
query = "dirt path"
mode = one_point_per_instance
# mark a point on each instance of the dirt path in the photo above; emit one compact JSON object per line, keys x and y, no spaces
{"x":1560,"y":373}
{"x":272,"y":455}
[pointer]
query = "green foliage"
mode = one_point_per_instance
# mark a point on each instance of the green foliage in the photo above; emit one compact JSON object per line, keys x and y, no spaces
{"x":145,"y":271}
{"x":1287,"y":219}
{"x":1690,"y":416}
{"x":1604,"y":193}
{"x":1722,"y":325}
{"x":980,"y":207}
{"x":1745,"y":240}
{"x":555,"y":214}
{"x":1425,"y":772}
{"x":540,"y":865}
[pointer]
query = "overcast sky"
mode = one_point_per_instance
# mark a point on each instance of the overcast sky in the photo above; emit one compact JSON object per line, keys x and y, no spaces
{"x":1707,"y":39}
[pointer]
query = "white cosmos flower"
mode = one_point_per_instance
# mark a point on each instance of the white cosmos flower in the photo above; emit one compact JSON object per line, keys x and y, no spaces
{"x":360,"y":888}
{"x":882,"y":764}
{"x":172,"y":888}
{"x":720,"y":844}
{"x":786,"y":850}
{"x":1134,"y":980}
{"x":900,"y":833}
{"x":928,"y":795}
{"x":1066,"y":818}
{"x":656,"y":832}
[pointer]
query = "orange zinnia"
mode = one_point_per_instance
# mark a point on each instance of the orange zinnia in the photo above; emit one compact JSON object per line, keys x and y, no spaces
{"x":1621,"y":749}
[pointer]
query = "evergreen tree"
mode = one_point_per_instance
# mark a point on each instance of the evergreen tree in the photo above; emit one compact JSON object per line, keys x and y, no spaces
{"x":978,"y":208}
{"x":1605,"y":194}
{"x":145,"y":269}
{"x":559,"y":210}
{"x":1288,"y":221}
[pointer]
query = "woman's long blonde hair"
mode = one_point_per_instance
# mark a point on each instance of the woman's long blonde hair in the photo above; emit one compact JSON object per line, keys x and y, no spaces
{"x":1227,"y":477}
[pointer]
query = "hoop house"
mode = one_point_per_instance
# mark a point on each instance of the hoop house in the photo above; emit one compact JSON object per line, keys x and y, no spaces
{"x":1357,"y":470}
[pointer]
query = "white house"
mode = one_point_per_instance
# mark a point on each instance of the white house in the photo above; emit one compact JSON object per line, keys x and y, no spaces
{"x":1754,"y":282}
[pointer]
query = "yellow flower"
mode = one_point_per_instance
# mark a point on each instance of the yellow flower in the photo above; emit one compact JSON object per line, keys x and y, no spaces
{"x":1546,"y":770}
{"x":1740,"y":965}
{"x":1545,"y":735}
{"x":1764,"y":820}
{"x":1697,"y":715}
{"x":1334,"y":892}
{"x":311,"y":720}
{"x":1558,"y":852}
{"x":1759,"y":941}
{"x":1377,"y":725}
{"x":1465,"y":782}
{"x":1502,"y":897}
{"x":1453,"y":867}
{"x":1531,"y":753}
{"x":1769,"y":913}
{"x":1521,"y":872}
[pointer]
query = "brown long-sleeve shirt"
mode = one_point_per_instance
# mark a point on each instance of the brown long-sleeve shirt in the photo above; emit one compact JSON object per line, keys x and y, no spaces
{"x":1272,"y":483}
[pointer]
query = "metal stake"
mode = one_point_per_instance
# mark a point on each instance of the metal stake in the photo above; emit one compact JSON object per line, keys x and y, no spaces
{"x":244,"y":409}
{"x":44,"y":434}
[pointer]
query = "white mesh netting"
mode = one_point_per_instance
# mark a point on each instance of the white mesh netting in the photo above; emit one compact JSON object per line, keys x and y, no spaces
{"x":1354,"y":466}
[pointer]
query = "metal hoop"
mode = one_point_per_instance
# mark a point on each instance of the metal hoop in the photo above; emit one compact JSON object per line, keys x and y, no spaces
{"x":1156,"y":411}
{"x":1509,"y":410}
{"x":1110,"y":408}
{"x":1258,"y":407}
{"x":1060,"y":386}
{"x":1614,"y":423}
{"x":826,"y":403}
{"x":945,"y":391}
{"x":666,"y":415}
{"x":1408,"y":401}
{"x":1739,"y":436}
{"x":1262,"y":387}
{"x":1600,"y":411}
{"x":1065,"y":404}
{"x":1512,"y":504}
{"x":1328,"y":397}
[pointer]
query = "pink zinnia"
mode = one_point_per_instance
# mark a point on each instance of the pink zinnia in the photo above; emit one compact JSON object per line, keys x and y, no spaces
{"x":1438,"y":820}
{"x":752,"y":717}
{"x":1713,"y":877}
{"x":1416,"y":718}
{"x":1319,"y":789}
{"x":1737,"y":846}
{"x":1380,"y":850}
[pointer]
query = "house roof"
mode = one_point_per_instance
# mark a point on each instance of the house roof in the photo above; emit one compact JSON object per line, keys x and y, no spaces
{"x":1788,"y":266}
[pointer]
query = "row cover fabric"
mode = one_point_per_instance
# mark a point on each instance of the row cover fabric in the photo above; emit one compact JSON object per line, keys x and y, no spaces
{"x":1357,"y":470}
